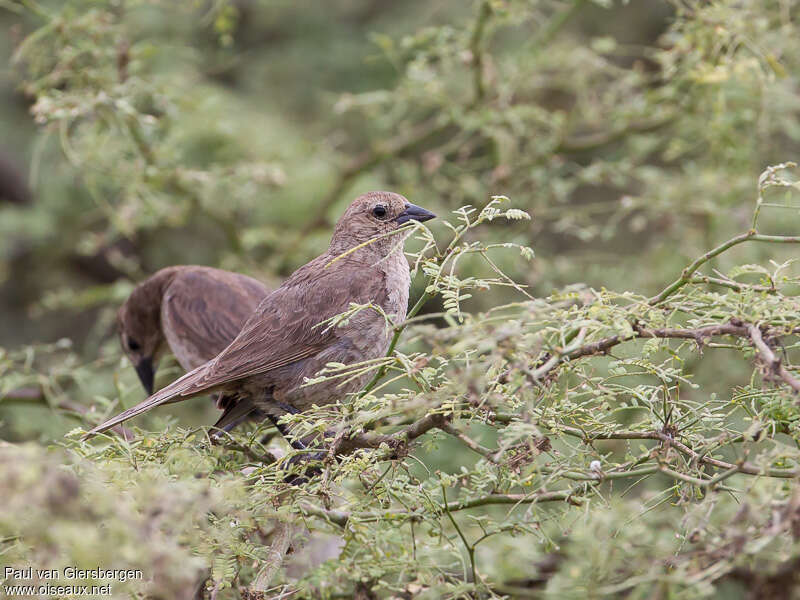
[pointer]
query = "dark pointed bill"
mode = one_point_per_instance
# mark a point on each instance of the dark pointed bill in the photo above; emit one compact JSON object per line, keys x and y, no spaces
{"x":414,"y":213}
{"x":146,"y":374}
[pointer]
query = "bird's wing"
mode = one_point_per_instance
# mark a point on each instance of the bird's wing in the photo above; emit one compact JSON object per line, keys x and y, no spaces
{"x":285,"y":328}
{"x":288,"y":324}
{"x":203,"y":310}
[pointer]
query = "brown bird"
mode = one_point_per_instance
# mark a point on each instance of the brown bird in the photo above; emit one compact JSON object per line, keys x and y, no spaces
{"x":195,"y":311}
{"x":283,"y":342}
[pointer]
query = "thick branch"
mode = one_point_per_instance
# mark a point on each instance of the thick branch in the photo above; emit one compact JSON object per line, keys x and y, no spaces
{"x":397,"y":442}
{"x":369,"y":159}
{"x":592,"y":141}
{"x":281,"y":543}
{"x":535,"y":498}
{"x":732,"y":285}
{"x":33,"y":394}
{"x":476,"y":48}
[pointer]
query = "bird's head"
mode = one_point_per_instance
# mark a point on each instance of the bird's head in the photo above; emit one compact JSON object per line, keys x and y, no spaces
{"x":139,"y":327}
{"x":375,"y":215}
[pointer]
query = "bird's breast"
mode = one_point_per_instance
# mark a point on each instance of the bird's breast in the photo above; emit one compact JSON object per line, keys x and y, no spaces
{"x":365,"y":336}
{"x":369,"y":331}
{"x":397,"y":280}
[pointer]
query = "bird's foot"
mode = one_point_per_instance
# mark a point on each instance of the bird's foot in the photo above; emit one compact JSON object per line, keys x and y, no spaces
{"x":304,"y":467}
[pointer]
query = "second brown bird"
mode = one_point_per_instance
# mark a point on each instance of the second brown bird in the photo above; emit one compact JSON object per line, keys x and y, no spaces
{"x":195,"y":311}
{"x":284,"y":342}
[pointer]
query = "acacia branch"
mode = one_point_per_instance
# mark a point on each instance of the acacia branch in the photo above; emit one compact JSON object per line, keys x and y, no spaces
{"x":36,"y":395}
{"x":32,"y":393}
{"x":469,"y":442}
{"x":340,"y":518}
{"x":397,"y":442}
{"x":733,"y":285}
{"x":689,"y":272}
{"x":534,"y":498}
{"x":671,"y":441}
{"x":282,"y":538}
{"x":592,"y":141}
{"x":770,"y":359}
{"x":699,"y":335}
{"x":666,"y":438}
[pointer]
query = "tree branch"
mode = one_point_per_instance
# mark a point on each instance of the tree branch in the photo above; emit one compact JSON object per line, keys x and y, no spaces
{"x":689,"y":272}
{"x":397,"y":442}
{"x":36,"y":395}
{"x":770,"y":359}
{"x":341,"y":518}
{"x":602,"y":346}
{"x":476,"y":49}
{"x":367,"y":160}
{"x":281,"y":543}
{"x":469,"y":442}
{"x":665,"y":438}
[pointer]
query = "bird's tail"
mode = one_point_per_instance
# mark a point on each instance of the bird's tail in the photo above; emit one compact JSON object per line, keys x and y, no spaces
{"x":186,"y":387}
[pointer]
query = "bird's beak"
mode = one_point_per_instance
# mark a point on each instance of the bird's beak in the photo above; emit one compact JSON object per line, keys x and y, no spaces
{"x":146,"y":374}
{"x":414,"y":213}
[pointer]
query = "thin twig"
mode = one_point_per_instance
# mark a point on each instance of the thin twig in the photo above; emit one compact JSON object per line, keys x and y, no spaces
{"x":395,"y":338}
{"x":666,"y":439}
{"x":469,"y":547}
{"x":36,"y":395}
{"x":733,"y":285}
{"x":699,"y":335}
{"x":341,"y":518}
{"x":469,"y":442}
{"x":689,"y":272}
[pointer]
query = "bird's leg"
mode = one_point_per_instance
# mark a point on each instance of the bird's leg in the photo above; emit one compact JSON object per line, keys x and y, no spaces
{"x":236,"y":411}
{"x":297,"y":444}
{"x":283,"y":429}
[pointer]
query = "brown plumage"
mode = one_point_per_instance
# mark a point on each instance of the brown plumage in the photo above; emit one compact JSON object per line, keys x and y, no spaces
{"x":195,"y":311}
{"x":282,"y":344}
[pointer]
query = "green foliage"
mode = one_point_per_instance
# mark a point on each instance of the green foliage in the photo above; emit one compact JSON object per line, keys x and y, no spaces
{"x":615,"y":414}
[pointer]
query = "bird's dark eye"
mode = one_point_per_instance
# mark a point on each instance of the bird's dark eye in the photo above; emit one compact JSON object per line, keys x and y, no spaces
{"x":379,"y":212}
{"x":133,"y":345}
